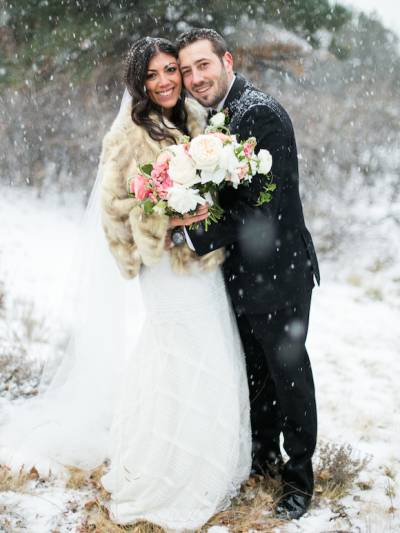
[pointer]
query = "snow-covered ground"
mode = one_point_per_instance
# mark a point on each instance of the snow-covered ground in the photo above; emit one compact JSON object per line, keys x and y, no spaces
{"x":354,"y":344}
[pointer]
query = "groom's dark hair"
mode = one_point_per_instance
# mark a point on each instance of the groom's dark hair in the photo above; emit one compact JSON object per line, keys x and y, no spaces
{"x":218,"y":43}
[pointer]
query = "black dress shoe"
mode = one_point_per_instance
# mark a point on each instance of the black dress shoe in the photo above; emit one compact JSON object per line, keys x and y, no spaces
{"x":292,"y":506}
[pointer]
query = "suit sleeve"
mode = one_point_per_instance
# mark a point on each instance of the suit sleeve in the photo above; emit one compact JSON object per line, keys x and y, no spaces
{"x":275,"y":135}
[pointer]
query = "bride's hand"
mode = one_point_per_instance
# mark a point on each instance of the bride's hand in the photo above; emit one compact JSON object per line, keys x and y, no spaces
{"x":187,"y":220}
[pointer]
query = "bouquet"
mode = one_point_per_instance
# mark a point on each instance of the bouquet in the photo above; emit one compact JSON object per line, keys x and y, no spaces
{"x":192,"y":173}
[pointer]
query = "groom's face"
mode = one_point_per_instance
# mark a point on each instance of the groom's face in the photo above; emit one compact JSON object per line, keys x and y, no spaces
{"x":205,"y":75}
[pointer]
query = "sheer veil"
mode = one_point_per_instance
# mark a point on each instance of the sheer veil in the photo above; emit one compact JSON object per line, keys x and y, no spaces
{"x":68,"y":421}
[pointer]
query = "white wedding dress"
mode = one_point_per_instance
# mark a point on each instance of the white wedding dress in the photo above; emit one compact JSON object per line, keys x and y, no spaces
{"x":176,"y":426}
{"x":181,"y":431}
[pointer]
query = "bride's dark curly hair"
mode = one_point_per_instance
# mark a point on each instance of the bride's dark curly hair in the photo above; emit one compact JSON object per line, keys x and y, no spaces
{"x":136,"y":65}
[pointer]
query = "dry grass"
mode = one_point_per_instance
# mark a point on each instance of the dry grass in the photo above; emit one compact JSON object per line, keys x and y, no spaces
{"x":32,"y":328}
{"x":98,"y":522}
{"x":374,"y":293}
{"x":79,"y":478}
{"x":390,"y":488}
{"x":337,"y":471}
{"x":380,"y":264}
{"x":18,"y":376}
{"x":365,"y":485}
{"x":251,"y":510}
{"x":2,"y":298}
{"x":10,"y":520}
{"x":10,"y":480}
{"x":389,"y":472}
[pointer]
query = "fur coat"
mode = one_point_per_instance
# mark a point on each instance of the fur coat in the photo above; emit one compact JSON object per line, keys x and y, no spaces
{"x":134,"y":238}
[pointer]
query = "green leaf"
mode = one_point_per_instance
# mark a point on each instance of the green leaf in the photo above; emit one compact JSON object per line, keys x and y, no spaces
{"x":146,"y":169}
{"x":147,"y":206}
{"x":264,"y":198}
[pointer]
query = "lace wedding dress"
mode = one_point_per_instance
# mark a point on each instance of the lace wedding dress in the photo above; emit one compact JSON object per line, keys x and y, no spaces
{"x":181,"y":432}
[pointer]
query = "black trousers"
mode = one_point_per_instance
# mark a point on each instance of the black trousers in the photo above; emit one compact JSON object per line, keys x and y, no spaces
{"x":282,"y":391}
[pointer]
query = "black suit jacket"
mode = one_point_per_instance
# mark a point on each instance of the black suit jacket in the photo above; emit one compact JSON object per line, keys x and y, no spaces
{"x":270,"y":259}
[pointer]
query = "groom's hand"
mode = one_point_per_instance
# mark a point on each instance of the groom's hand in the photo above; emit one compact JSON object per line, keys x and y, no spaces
{"x":200,"y":214}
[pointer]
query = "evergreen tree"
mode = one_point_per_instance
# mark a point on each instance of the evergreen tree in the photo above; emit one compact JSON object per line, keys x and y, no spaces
{"x":56,"y":35}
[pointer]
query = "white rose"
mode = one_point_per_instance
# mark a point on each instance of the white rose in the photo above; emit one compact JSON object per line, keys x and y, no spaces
{"x":205,"y":151}
{"x":218,"y":120}
{"x":228,"y":159}
{"x":181,"y":168}
{"x":265,"y":159}
{"x":183,"y":200}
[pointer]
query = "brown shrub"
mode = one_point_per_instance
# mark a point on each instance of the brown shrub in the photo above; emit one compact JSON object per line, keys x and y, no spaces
{"x":337,"y":470}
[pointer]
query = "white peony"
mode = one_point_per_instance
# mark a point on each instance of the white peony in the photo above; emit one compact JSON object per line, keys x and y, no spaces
{"x":218,"y":120}
{"x":183,"y":200}
{"x":255,"y":165}
{"x":216,"y":176}
{"x":265,"y":161}
{"x":181,"y":168}
{"x":234,"y":178}
{"x":205,"y":151}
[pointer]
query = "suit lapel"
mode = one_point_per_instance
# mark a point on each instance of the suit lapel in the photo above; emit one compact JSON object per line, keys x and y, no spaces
{"x":234,"y":94}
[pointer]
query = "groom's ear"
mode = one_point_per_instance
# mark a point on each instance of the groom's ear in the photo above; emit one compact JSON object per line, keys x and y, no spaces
{"x":227,"y":60}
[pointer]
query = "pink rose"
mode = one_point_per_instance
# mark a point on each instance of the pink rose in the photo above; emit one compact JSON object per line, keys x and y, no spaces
{"x":157,"y":170}
{"x":163,"y":185}
{"x":139,"y":184}
{"x":163,"y":158}
{"x":248,"y":149}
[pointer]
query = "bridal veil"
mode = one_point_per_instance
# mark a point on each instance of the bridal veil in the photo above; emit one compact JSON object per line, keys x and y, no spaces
{"x":68,"y":421}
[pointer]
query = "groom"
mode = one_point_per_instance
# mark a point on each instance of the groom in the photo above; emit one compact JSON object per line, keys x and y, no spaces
{"x":269,"y":269}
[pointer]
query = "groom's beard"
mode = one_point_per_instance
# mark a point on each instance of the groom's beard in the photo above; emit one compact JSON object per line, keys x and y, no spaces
{"x":217,"y":90}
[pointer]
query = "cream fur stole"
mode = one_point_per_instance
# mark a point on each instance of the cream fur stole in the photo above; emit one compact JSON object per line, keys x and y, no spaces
{"x":135,"y":238}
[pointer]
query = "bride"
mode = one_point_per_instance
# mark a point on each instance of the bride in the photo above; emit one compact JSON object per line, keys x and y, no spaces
{"x":167,"y":405}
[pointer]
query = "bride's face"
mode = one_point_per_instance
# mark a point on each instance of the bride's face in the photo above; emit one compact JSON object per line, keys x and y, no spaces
{"x":163,"y":80}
